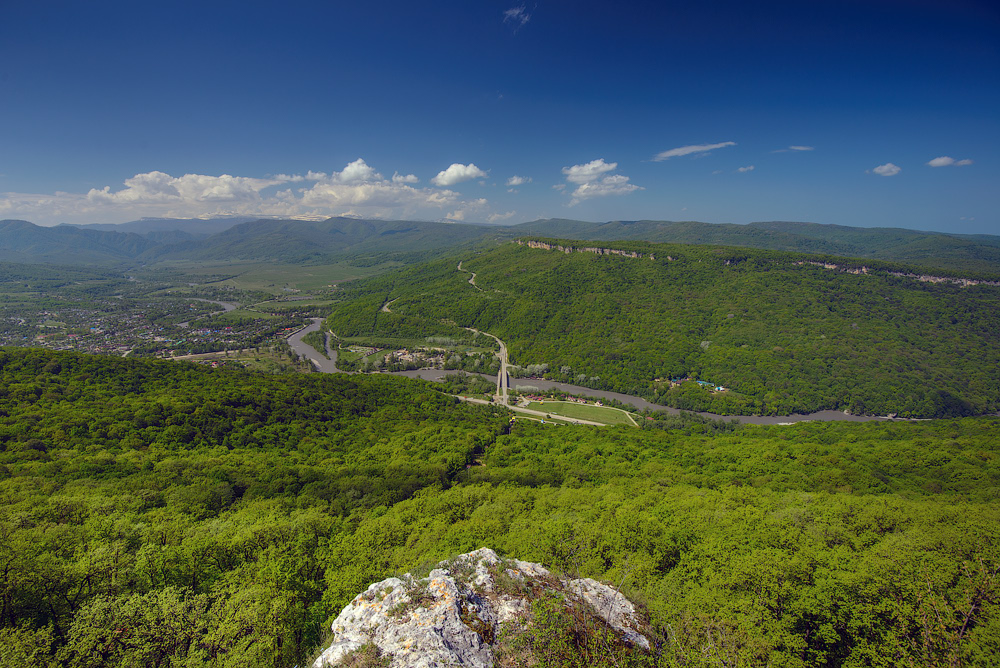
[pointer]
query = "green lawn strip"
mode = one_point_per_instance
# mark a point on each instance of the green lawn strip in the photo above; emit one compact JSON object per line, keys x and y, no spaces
{"x":582,"y":411}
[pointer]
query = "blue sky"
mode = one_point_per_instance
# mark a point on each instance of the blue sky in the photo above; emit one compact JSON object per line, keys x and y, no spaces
{"x":883,"y":112}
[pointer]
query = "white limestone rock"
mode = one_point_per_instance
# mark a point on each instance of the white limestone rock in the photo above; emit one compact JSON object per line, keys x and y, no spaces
{"x":451,"y":617}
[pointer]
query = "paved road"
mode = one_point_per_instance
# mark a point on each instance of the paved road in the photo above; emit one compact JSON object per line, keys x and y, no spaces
{"x":472,"y":281}
{"x":503,"y":380}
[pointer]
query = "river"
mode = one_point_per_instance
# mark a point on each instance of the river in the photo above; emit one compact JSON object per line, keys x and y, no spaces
{"x":226,"y":308}
{"x":330,"y":366}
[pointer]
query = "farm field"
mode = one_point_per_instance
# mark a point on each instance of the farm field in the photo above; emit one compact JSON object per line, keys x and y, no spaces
{"x":573,"y":410}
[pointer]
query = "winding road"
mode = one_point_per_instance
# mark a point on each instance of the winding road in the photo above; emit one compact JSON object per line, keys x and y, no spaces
{"x":472,"y":280}
{"x":503,"y":380}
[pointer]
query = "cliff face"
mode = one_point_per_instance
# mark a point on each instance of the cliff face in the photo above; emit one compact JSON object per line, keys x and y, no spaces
{"x":582,"y":249}
{"x":479,"y":610}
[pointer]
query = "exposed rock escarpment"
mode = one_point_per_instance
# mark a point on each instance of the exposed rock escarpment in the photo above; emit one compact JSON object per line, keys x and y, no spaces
{"x":469,"y":609}
{"x":581,"y":249}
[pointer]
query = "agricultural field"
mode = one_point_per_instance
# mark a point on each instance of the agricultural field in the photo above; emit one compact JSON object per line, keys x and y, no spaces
{"x":577,"y":411}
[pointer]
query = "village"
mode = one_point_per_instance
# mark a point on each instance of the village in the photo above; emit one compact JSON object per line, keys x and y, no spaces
{"x":163,"y":327}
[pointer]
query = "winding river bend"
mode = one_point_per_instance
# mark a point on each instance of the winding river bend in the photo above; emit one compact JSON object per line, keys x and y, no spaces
{"x":226,"y":308}
{"x":330,"y":366}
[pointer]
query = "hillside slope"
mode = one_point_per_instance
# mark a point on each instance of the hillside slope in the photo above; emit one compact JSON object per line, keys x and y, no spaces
{"x":21,"y":241}
{"x":781,"y":332}
{"x":978,"y":253}
{"x":159,"y":513}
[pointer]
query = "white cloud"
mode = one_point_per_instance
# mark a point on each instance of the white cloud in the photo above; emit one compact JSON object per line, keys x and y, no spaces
{"x":743,"y":170}
{"x":358,"y":190}
{"x":158,"y":187}
{"x":688,"y":150}
{"x":588,"y":172}
{"x":467,"y":208}
{"x":518,"y":180}
{"x":945,"y":161}
{"x":409,"y":178}
{"x":518,"y":16}
{"x":497,"y":217}
{"x":357,"y":171}
{"x":457,"y":173}
{"x":594,"y":180}
{"x":793,"y":148}
{"x":888,"y":169}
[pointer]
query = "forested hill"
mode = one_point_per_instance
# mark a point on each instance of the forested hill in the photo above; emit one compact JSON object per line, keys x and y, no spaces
{"x":959,"y":252}
{"x":779,"y":330}
{"x":297,"y":241}
{"x":277,"y":241}
{"x":156,"y":513}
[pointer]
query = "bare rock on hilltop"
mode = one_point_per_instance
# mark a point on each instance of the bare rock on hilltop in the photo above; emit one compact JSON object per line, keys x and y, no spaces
{"x":468,"y":610}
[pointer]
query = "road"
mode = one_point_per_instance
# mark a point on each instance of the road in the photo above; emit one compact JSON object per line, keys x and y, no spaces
{"x":503,"y":380}
{"x":472,"y":281}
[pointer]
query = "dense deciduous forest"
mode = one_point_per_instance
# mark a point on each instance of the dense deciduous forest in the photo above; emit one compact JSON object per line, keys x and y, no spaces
{"x":156,"y":513}
{"x":781,"y":334}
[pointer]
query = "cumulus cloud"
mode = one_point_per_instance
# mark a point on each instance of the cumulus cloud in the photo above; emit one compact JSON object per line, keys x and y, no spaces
{"x":357,"y":190}
{"x":497,"y":217}
{"x":743,"y":170}
{"x":458,"y":173}
{"x":688,"y":150}
{"x":888,"y":169}
{"x":593,"y":179}
{"x":468,"y":208}
{"x":588,"y":172}
{"x":357,"y":171}
{"x":945,"y":161}
{"x":158,"y":188}
{"x":517,"y":16}
{"x":518,"y":180}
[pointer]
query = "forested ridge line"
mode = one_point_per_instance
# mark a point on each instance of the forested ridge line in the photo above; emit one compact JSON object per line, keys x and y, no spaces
{"x":782,"y":335}
{"x":159,"y":513}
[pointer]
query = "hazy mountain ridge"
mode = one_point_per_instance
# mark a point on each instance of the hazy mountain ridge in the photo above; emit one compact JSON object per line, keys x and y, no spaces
{"x":21,"y":241}
{"x":296,"y":241}
{"x":932,"y":249}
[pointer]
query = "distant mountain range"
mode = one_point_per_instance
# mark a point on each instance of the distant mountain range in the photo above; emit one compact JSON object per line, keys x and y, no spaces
{"x":151,"y":240}
{"x":980,"y":253}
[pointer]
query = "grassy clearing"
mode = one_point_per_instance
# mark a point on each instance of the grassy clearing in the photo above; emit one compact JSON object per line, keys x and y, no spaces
{"x":583,"y":412}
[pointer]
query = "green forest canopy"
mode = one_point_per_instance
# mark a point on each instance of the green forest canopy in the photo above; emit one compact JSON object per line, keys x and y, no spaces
{"x":783,"y":335}
{"x":157,"y":513}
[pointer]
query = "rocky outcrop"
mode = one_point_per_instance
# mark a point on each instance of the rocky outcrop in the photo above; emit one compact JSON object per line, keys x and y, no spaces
{"x":457,"y":614}
{"x":925,"y":278}
{"x":578,"y":249}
